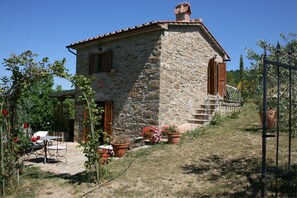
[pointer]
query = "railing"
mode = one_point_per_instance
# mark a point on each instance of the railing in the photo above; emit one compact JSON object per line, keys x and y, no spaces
{"x":232,"y":94}
{"x":207,"y":103}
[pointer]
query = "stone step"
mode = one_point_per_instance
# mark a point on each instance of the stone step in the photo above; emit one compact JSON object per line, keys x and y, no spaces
{"x":209,"y":106}
{"x":204,"y":113}
{"x":201,"y":110}
{"x":211,"y":103}
{"x":212,"y":99}
{"x":213,"y":96}
{"x":203,"y":116}
{"x":198,"y":121}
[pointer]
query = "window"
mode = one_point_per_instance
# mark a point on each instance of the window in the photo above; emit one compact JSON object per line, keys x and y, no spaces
{"x":100,"y":62}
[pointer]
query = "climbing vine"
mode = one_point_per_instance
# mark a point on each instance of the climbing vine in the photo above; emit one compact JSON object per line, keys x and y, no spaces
{"x":25,"y":72}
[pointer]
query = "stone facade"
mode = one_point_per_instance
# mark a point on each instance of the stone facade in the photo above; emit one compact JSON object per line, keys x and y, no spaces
{"x":184,"y":67}
{"x":159,"y":78}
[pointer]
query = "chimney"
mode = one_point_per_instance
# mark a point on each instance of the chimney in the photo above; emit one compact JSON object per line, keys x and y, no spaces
{"x":182,"y":12}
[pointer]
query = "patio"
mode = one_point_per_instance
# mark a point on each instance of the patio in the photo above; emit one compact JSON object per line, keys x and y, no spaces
{"x":75,"y":161}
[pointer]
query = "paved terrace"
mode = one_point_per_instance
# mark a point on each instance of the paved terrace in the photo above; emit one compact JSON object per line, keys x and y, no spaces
{"x":74,"y":164}
{"x":75,"y":160}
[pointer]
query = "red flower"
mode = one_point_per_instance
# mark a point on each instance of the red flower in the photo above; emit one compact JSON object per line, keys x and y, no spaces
{"x":38,"y":138}
{"x":33,"y":139}
{"x":16,"y":139}
{"x":26,"y":125}
{"x":4,"y":112}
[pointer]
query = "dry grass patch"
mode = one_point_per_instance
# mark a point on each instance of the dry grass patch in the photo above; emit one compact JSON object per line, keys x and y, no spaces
{"x":214,"y":161}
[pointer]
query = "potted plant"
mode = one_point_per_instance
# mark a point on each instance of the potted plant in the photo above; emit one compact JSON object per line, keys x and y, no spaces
{"x":172,"y":133}
{"x":271,"y":118}
{"x":152,"y":134}
{"x":104,"y":155}
{"x":120,"y":144}
{"x":271,"y":114}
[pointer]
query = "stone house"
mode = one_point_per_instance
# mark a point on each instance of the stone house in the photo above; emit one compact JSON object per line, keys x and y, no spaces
{"x":156,"y":73}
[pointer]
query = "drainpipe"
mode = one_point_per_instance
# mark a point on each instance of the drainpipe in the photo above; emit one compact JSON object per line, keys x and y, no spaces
{"x":71,"y":51}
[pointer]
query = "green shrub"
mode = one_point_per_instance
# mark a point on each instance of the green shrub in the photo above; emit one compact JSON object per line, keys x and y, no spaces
{"x":234,"y":115}
{"x":216,"y":119}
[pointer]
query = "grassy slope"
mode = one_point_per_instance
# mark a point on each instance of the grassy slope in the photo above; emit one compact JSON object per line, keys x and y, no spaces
{"x":222,"y":160}
{"x":213,"y":161}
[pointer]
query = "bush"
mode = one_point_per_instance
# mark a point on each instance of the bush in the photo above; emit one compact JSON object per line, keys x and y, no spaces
{"x":216,"y":119}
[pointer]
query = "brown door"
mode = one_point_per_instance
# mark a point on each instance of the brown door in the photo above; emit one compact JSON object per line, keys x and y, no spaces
{"x":212,"y":80}
{"x":106,"y":122}
{"x":222,"y":79}
{"x":108,"y":117}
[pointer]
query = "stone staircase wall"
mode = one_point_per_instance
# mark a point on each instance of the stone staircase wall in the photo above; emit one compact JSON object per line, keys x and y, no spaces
{"x":212,"y":104}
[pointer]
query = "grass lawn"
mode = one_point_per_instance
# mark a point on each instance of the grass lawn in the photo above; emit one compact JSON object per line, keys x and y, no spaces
{"x":213,"y":161}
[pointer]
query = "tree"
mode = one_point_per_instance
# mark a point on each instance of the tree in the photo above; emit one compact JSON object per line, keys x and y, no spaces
{"x":230,"y":78}
{"x":37,"y":105}
{"x":241,"y":69}
{"x":253,"y":76}
{"x":286,"y":54}
{"x":26,"y":71}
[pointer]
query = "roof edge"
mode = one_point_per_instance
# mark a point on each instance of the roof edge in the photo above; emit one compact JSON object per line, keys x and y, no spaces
{"x":150,"y":26}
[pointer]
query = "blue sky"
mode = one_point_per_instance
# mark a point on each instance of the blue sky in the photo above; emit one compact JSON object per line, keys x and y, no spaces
{"x":47,"y":26}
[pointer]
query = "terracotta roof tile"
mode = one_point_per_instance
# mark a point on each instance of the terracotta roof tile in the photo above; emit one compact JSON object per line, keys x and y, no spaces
{"x":125,"y":30}
{"x":170,"y":22}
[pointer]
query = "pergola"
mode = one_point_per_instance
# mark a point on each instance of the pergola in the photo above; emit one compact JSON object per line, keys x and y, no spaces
{"x":62,"y":96}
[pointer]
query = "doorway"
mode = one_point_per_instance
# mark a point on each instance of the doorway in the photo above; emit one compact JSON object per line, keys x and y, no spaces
{"x":216,"y":83}
{"x":106,"y":120}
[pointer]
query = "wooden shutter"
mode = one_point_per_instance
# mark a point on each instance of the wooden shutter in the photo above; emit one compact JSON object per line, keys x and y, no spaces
{"x":212,"y":83}
{"x":222,"y":79}
{"x":108,"y":117}
{"x":106,"y":61}
{"x":86,"y":128}
{"x":91,"y":63}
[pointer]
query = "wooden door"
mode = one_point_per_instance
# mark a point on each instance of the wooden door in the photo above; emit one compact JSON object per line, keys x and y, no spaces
{"x":106,"y":122}
{"x":212,"y":79}
{"x":222,"y":79}
{"x":108,"y":117}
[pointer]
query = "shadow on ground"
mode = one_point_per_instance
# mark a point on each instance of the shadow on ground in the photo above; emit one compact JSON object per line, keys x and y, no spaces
{"x":41,"y":160}
{"x":240,"y":177}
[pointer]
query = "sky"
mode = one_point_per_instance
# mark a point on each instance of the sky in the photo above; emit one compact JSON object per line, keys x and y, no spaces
{"x":46,"y":27}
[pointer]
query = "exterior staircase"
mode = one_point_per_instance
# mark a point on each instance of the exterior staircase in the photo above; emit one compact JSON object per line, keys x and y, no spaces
{"x":203,"y":115}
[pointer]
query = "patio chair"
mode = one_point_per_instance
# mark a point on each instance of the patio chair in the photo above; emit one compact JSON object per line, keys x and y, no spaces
{"x":57,"y":148}
{"x":37,"y":144}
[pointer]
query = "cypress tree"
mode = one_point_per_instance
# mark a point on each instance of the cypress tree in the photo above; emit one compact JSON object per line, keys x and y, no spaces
{"x":241,"y":69}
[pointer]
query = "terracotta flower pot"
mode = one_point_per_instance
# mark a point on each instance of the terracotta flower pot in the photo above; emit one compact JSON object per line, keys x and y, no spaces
{"x":104,"y":155}
{"x":119,"y":149}
{"x":270,"y":118}
{"x":174,"y":138}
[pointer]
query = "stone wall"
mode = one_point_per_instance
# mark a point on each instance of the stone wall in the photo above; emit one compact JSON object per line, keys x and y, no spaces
{"x":133,"y":88}
{"x":184,"y":65}
{"x":159,"y":78}
{"x":228,"y":107}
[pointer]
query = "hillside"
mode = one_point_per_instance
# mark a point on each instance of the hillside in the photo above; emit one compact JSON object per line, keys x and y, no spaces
{"x":223,"y":160}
